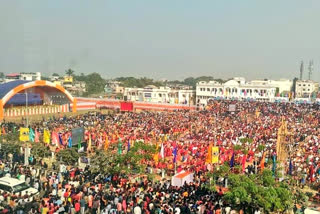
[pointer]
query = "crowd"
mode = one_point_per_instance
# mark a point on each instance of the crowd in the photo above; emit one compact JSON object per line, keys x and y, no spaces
{"x":189,"y":134}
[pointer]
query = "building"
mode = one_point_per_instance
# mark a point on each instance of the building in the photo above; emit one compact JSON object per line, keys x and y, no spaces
{"x":113,"y":87}
{"x":23,"y":76}
{"x":154,"y":94}
{"x":306,"y":88}
{"x":237,"y":89}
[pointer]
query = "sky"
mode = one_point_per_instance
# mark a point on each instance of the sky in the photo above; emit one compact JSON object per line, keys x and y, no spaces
{"x":161,"y":39}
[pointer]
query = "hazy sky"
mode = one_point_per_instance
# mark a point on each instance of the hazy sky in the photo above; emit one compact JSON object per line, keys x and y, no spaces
{"x":169,"y":39}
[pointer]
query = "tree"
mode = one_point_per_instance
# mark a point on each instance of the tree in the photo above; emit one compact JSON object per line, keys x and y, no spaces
{"x":95,"y":83}
{"x":259,"y":191}
{"x":132,"y":162}
{"x":39,"y":150}
{"x":2,"y":75}
{"x":70,"y":72}
{"x":69,"y":156}
{"x":55,"y":75}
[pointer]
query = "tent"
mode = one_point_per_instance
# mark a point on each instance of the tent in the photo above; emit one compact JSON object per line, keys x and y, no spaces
{"x":182,"y":177}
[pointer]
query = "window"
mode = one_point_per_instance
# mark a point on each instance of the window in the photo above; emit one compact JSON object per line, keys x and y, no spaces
{"x":208,"y":89}
{"x":5,"y":188}
{"x":299,"y":84}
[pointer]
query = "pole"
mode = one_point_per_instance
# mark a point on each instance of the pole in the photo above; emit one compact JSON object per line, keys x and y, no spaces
{"x":27,"y":109}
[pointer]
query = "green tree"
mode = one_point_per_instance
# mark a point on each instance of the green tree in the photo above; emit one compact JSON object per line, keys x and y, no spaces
{"x":249,"y":192}
{"x":110,"y":161}
{"x":69,"y":156}
{"x":55,"y":75}
{"x":70,"y":72}
{"x":95,"y":83}
{"x":2,"y":75}
{"x":39,"y":150}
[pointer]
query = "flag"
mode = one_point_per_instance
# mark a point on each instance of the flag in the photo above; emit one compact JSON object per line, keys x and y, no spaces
{"x":31,"y":135}
{"x":36,"y":136}
{"x":54,"y":138}
{"x":119,"y":147}
{"x":46,"y":136}
{"x":24,"y":134}
{"x":162,"y":151}
{"x":232,"y":160}
{"x":156,"y":155}
{"x":215,"y":154}
{"x":175,"y":151}
{"x":80,"y":148}
{"x":128,"y":145}
{"x":89,"y":143}
{"x":274,"y":164}
{"x":106,"y":143}
{"x":70,"y":142}
{"x":290,"y":167}
{"x":3,"y":130}
{"x":262,"y":162}
{"x":60,"y":139}
{"x":244,"y":158}
{"x":209,"y":155}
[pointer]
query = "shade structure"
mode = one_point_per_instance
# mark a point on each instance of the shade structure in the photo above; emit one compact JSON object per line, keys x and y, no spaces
{"x":181,"y":178}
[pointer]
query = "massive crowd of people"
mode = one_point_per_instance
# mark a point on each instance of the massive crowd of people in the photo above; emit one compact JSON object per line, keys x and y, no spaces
{"x":189,"y":133}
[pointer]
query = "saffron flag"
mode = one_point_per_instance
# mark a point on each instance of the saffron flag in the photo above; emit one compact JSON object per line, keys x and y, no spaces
{"x":156,"y":155}
{"x":46,"y":136}
{"x":106,"y":143}
{"x":31,"y":135}
{"x":89,"y":143}
{"x":24,"y":134}
{"x":215,"y":154}
{"x":244,"y":158}
{"x":209,"y":155}
{"x":262,"y":162}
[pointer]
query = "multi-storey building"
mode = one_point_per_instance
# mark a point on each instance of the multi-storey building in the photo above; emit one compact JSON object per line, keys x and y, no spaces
{"x":237,"y":89}
{"x":160,"y":95}
{"x":306,"y":88}
{"x":23,"y":76}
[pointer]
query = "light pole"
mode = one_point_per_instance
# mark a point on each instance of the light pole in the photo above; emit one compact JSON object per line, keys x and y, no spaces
{"x":27,"y":109}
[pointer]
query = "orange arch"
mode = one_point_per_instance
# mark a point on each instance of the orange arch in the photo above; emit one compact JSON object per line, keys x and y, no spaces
{"x":27,"y":85}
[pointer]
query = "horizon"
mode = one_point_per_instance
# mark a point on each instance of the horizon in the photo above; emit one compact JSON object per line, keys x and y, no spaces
{"x":161,"y":40}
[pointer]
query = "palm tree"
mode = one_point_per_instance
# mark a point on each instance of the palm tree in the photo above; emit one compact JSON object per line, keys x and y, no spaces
{"x":70,"y":72}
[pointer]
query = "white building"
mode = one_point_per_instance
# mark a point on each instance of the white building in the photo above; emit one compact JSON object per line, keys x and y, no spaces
{"x":305,"y":88}
{"x":160,"y":95}
{"x":237,"y":88}
{"x":23,"y":76}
